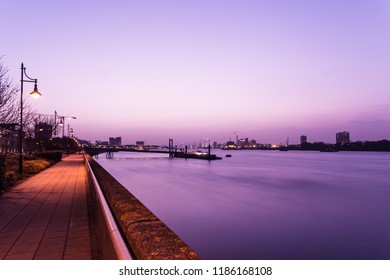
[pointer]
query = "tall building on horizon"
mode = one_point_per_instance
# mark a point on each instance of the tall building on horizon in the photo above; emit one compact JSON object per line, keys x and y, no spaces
{"x":43,"y":131}
{"x":342,"y":138}
{"x":117,"y":141}
{"x":303,"y":139}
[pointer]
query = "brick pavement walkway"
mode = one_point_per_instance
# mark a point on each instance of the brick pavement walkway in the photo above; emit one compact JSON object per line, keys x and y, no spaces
{"x":46,"y":216}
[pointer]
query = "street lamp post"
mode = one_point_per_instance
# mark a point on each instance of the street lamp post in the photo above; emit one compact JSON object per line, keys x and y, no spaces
{"x":55,"y":123}
{"x":62,"y":123}
{"x":24,"y":78}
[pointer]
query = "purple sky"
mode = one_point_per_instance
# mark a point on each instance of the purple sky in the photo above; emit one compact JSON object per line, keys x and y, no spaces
{"x":154,"y":70}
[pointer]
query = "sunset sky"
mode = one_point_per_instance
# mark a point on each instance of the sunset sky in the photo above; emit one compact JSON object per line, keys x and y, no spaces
{"x":154,"y":70}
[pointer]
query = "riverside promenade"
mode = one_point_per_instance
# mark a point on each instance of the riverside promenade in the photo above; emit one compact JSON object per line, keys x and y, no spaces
{"x":46,"y":216}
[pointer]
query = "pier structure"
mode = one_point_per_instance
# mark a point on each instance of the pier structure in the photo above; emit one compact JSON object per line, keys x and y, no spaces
{"x":171,"y":150}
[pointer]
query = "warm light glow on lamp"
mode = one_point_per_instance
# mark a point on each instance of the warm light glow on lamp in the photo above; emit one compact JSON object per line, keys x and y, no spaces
{"x":36,"y":93}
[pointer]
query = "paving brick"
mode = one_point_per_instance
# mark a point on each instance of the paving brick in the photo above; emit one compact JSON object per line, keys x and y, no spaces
{"x":78,"y":256}
{"x":21,"y":256}
{"x":8,"y":237}
{"x":20,"y":248}
{"x":50,"y":252}
{"x":4,"y":250}
{"x":55,"y":234}
{"x":49,"y":256}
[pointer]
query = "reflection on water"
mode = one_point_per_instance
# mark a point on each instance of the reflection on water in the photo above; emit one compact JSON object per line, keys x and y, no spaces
{"x":268,"y":204}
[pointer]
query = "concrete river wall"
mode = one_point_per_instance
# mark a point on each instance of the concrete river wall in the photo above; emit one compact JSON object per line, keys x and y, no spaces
{"x":145,"y":236}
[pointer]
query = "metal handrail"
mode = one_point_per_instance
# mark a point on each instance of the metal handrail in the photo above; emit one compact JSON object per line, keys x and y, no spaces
{"x":119,"y":244}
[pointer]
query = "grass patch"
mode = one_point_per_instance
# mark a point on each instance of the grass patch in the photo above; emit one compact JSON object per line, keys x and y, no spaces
{"x":31,"y":167}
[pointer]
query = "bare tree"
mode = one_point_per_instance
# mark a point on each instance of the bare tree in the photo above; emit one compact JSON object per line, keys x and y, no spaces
{"x":10,"y":111}
{"x":8,"y":98}
{"x":39,"y":130}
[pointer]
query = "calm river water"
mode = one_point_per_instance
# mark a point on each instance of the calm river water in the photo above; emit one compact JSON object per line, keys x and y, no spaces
{"x":267,"y":204}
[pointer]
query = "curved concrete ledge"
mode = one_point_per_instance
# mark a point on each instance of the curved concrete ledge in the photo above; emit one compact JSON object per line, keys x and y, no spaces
{"x":148,"y":237}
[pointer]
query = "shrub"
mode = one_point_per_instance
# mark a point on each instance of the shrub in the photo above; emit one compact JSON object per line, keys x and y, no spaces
{"x":10,"y":178}
{"x":9,"y":175}
{"x":30,"y":157}
{"x":50,"y":155}
{"x":35,"y":166}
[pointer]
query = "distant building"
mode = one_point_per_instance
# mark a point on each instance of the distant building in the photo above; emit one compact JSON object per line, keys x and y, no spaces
{"x":140,"y":143}
{"x":243,"y":142}
{"x":342,"y":138}
{"x":43,"y":131}
{"x":84,"y":142}
{"x":204,"y":143}
{"x":230,"y":145}
{"x":303,"y":139}
{"x":9,"y":139}
{"x":117,"y":141}
{"x":102,"y":143}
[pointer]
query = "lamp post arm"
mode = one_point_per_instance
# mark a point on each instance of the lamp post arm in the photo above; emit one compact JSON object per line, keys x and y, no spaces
{"x":66,"y":117}
{"x":31,"y":80}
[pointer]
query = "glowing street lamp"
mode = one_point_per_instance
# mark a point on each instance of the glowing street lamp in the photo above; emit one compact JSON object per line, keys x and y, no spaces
{"x":35,"y":93}
{"x":24,"y":79}
{"x":62,"y":121}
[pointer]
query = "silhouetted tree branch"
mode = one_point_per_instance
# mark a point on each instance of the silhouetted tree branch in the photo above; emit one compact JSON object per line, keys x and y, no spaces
{"x":8,"y":98}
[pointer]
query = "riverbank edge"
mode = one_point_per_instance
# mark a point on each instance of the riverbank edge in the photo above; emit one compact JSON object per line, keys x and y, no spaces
{"x":147,"y":236}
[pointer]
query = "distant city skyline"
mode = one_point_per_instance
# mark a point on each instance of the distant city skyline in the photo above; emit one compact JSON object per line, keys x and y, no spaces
{"x":340,"y":138}
{"x":187,"y":70}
